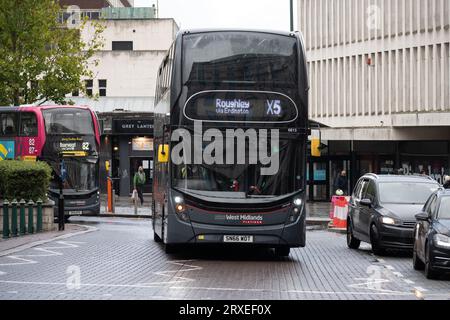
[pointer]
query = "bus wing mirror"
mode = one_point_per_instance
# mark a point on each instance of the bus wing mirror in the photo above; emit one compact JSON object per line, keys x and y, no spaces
{"x":163,"y":153}
{"x":316,"y":143}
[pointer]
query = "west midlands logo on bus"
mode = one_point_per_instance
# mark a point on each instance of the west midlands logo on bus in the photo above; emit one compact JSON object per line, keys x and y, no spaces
{"x":6,"y":150}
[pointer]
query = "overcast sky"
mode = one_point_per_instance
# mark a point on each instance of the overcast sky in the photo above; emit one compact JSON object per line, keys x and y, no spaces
{"x":259,"y":14}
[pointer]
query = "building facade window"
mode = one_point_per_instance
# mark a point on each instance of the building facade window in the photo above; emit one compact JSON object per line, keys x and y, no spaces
{"x":122,"y":45}
{"x":102,"y":87}
{"x":89,"y":84}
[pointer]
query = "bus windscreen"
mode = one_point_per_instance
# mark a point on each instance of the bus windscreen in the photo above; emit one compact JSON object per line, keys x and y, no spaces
{"x":240,"y":58}
{"x":68,"y":121}
{"x":237,"y":179}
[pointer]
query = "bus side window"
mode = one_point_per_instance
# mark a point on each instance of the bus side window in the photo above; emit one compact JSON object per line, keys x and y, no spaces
{"x":28,"y":125}
{"x":8,"y":124}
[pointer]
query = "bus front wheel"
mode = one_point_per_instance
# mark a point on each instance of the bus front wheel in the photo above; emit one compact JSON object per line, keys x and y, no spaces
{"x":282,"y":251}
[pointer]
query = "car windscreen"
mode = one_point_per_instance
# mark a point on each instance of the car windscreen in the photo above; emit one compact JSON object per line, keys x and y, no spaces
{"x":72,"y":121}
{"x":240,"y":58}
{"x":406,"y":192}
{"x":444,"y":208}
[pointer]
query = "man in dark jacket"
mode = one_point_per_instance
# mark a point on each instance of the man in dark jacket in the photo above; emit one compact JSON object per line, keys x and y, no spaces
{"x":341,"y":182}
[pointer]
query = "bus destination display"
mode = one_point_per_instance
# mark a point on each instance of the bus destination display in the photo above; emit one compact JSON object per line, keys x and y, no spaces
{"x":241,"y":106}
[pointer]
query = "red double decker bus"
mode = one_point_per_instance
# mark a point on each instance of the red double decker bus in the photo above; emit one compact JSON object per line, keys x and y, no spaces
{"x":49,"y":133}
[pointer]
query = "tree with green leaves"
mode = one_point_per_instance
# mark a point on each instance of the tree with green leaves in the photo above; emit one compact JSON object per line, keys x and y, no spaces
{"x":41,"y":58}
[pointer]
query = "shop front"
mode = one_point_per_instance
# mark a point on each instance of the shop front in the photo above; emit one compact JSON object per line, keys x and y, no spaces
{"x":381,"y":157}
{"x":127,"y":145}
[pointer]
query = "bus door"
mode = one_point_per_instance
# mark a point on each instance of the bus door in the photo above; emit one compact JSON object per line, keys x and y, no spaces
{"x":28,"y":142}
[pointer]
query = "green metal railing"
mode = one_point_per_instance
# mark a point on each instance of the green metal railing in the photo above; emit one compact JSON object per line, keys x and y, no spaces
{"x":14,"y":218}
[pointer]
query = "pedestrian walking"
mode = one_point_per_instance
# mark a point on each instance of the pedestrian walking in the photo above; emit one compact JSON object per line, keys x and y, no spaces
{"x":341,"y":182}
{"x":139,"y":181}
{"x":447,"y":182}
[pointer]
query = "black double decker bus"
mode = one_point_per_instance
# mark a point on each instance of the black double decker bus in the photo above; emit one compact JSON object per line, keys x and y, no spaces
{"x":231,"y":133}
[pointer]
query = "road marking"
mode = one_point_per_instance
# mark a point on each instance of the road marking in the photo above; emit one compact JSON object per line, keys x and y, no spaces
{"x":42,"y":242}
{"x":27,"y":259}
{"x":185,"y":267}
{"x":371,"y":284}
{"x":398,"y":274}
{"x":418,"y":291}
{"x":141,"y":286}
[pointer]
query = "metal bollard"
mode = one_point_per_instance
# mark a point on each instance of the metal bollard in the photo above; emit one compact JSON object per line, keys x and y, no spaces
{"x":113,"y":201}
{"x":30,"y":217}
{"x":22,"y":228}
{"x":135,"y":201}
{"x":14,"y":218}
{"x":5,"y":219}
{"x":39,"y":216}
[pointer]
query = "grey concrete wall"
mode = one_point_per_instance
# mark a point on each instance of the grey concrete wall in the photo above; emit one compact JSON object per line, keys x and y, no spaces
{"x":378,"y":63}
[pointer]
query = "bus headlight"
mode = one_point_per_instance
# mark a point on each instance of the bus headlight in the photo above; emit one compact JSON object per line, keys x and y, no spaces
{"x":298,"y":202}
{"x":178,"y":200}
{"x":296,"y":210}
{"x":180,"y":208}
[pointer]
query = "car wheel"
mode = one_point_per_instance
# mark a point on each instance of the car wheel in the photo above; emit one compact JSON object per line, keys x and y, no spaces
{"x":430,"y":273}
{"x":282,"y":251}
{"x":417,"y":263}
{"x":352,"y":242}
{"x":66,"y":219}
{"x":375,"y":241}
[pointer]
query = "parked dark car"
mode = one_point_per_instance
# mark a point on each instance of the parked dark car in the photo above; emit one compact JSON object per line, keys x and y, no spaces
{"x":382,"y":210}
{"x":432,"y":236}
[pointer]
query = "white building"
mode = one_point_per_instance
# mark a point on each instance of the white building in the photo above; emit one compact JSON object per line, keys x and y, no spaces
{"x":380,"y":86}
{"x":129,"y":63}
{"x":124,"y":85}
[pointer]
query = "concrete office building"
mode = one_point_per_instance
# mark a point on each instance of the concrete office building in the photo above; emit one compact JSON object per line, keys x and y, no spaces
{"x":380,"y":87}
{"x":124,"y":83}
